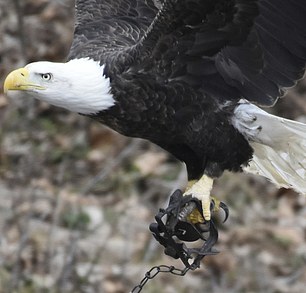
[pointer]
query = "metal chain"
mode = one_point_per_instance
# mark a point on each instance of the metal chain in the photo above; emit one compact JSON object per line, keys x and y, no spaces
{"x":154,"y":271}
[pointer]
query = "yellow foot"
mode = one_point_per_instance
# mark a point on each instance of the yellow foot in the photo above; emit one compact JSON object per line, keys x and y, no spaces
{"x":196,"y":217}
{"x":201,"y":190}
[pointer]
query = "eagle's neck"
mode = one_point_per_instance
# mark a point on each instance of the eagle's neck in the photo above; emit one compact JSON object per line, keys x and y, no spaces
{"x":85,"y":89}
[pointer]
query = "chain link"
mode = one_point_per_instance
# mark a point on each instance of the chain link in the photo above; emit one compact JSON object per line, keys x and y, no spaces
{"x":154,"y":271}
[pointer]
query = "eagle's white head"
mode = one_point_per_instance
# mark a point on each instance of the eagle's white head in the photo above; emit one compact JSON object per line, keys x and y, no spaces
{"x":78,"y":85}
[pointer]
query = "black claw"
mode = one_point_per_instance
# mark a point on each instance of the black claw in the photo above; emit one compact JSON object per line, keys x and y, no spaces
{"x":225,"y":208}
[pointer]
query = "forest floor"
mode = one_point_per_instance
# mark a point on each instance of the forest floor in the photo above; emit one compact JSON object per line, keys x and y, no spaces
{"x":76,"y":199}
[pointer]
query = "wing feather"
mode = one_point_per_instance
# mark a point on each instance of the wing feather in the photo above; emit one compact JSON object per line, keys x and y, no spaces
{"x":259,"y":51}
{"x":232,"y":49}
{"x":104,"y":27}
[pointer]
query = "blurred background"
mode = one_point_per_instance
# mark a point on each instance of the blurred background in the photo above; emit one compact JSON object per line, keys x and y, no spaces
{"x":76,"y":199}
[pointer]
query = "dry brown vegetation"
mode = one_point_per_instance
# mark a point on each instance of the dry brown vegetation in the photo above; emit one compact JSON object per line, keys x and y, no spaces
{"x":76,"y":199}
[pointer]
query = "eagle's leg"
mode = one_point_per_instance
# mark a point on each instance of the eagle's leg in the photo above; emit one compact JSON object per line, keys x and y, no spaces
{"x":201,"y":190}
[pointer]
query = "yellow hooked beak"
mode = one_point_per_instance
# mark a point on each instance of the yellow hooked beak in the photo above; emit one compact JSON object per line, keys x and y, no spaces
{"x":19,"y":79}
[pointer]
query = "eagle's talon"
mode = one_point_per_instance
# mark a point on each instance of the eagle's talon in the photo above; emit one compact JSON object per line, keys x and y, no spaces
{"x":201,"y":213}
{"x":225,"y":208}
{"x":194,"y":214}
{"x":217,"y":205}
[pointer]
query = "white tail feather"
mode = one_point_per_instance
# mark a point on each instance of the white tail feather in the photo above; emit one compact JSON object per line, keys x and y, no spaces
{"x":279,"y":146}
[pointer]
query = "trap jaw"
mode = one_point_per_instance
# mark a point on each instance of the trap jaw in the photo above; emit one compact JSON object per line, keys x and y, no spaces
{"x":173,"y":230}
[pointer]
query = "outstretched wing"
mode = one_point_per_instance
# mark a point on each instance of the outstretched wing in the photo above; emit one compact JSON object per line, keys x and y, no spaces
{"x":231,"y":49}
{"x":251,"y":49}
{"x":272,"y":57}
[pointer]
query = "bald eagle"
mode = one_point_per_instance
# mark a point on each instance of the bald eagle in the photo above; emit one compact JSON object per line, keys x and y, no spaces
{"x":188,"y":76}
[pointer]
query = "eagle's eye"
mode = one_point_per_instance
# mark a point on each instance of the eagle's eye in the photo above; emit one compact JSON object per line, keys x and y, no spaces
{"x":46,"y":76}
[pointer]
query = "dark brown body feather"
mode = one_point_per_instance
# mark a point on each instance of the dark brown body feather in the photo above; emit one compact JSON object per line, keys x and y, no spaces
{"x":177,"y":71}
